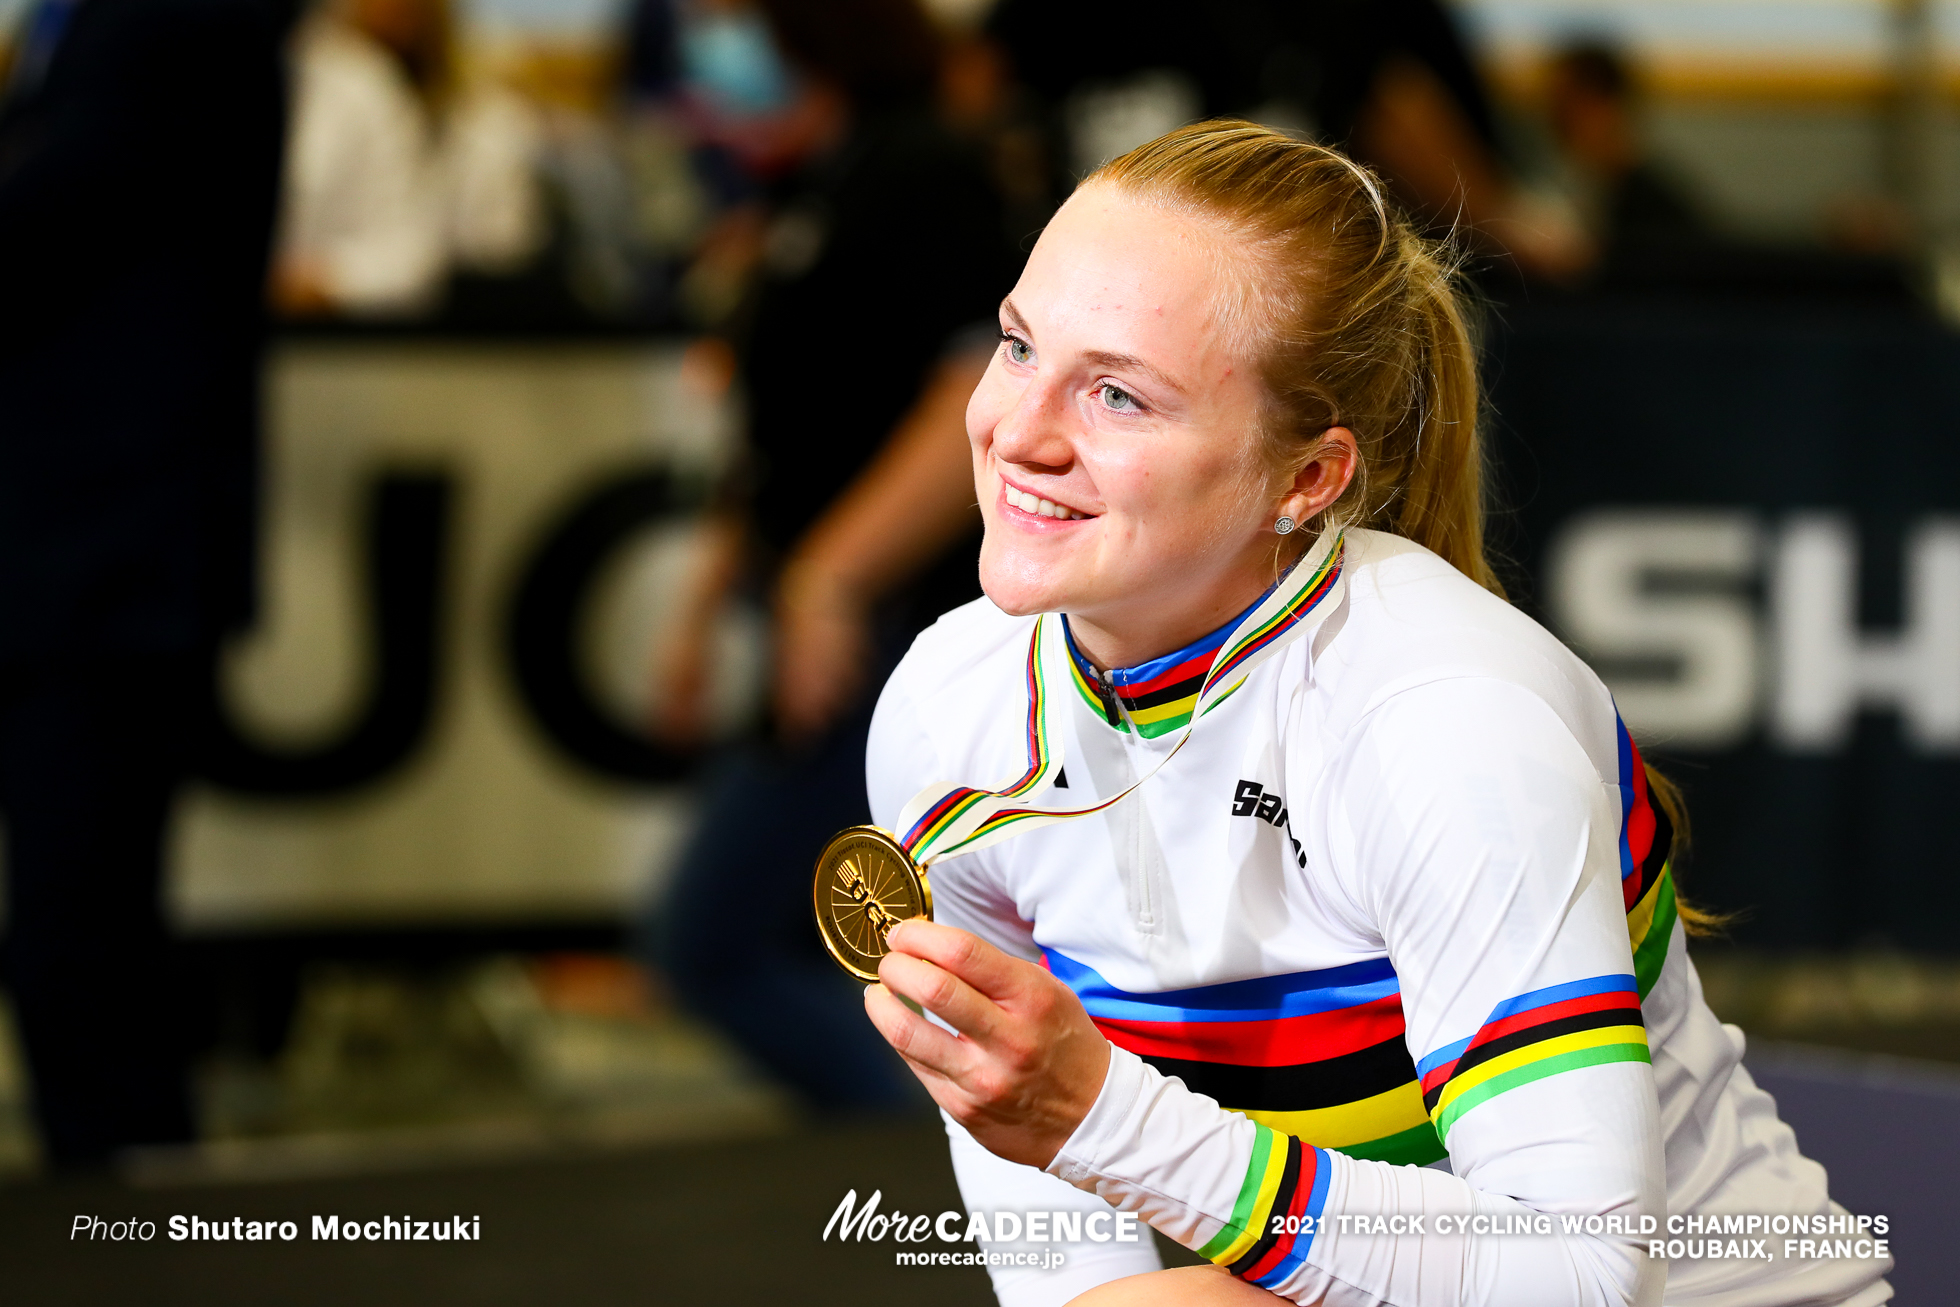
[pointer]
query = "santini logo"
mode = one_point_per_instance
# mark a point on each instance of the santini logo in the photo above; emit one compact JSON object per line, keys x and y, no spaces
{"x":1253,"y":800}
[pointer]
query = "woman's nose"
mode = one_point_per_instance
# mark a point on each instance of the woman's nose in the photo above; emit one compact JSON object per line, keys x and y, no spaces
{"x":1034,"y":431}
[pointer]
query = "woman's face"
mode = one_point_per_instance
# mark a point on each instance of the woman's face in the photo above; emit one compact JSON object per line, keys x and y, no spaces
{"x":1115,"y":445}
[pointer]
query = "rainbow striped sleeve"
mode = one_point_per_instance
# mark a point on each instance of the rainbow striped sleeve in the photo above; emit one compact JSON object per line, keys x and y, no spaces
{"x":1646,"y":867}
{"x":1277,"y":1211}
{"x":1539,"y":1034}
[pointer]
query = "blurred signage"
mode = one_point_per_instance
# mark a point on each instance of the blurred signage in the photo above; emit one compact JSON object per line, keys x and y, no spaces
{"x":1748,"y":521}
{"x":468,"y":554}
{"x":1676,"y":591}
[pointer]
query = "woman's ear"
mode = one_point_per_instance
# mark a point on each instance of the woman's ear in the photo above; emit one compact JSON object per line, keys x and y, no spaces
{"x":1324,"y":475}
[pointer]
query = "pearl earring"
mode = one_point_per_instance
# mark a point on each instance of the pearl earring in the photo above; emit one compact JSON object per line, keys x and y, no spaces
{"x":1285,"y":526}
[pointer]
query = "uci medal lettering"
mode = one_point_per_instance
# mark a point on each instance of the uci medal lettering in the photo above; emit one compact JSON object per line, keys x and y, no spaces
{"x":866,"y":884}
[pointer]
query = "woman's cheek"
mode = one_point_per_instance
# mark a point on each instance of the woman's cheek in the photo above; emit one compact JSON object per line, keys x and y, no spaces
{"x":991,"y":400}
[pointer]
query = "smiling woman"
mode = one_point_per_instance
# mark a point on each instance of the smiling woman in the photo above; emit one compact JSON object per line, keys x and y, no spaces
{"x":1330,"y":925}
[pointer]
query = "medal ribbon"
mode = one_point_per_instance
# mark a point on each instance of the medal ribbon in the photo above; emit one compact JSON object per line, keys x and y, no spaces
{"x":942,"y":821}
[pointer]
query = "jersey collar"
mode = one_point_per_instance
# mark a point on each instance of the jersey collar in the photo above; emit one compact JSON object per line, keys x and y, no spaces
{"x":1156,"y":697}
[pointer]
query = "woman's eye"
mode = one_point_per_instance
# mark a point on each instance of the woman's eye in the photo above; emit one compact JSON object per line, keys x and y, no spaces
{"x":1019,"y":350}
{"x":1115,"y":397}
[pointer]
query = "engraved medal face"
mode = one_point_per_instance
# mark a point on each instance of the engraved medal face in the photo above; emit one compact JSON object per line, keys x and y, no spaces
{"x":866,"y":884}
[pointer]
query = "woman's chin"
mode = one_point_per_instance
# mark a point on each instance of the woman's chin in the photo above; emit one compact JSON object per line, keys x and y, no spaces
{"x":1021,"y":590}
{"x":1018,"y":601}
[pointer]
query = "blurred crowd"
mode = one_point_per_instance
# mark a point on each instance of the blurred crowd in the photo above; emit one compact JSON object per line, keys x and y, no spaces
{"x":508,"y":185}
{"x":830,"y":198}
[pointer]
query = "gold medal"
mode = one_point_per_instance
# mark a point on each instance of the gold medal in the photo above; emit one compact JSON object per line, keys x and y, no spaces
{"x":866,"y":884}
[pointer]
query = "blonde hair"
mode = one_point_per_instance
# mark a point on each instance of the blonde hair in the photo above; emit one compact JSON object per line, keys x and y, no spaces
{"x":1353,"y":317}
{"x":1355,"y":320}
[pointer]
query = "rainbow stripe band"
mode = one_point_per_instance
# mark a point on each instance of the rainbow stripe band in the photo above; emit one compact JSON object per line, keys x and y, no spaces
{"x":1248,"y":645}
{"x":1321,"y":1055}
{"x":1161,"y":696}
{"x":952,"y":805}
{"x":1539,"y":1034}
{"x":1149,"y":718}
{"x":1277,"y":1212}
{"x":1646,"y":867}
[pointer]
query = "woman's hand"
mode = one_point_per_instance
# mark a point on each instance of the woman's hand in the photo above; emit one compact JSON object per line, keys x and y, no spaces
{"x":1027,"y":1063}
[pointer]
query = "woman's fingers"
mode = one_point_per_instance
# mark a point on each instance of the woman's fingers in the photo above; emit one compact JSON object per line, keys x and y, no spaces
{"x":943,"y":994}
{"x":964,"y":955}
{"x":917,"y":1040}
{"x":1027,"y":1064}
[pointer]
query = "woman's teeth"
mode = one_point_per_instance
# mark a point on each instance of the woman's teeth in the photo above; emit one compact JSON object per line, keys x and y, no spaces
{"x":1029,"y":503}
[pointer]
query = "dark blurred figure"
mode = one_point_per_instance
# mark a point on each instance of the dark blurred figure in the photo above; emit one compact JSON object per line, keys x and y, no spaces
{"x":1636,"y":209}
{"x":1651,"y":234}
{"x":1389,"y":81}
{"x":139,"y":161}
{"x":878,"y":264}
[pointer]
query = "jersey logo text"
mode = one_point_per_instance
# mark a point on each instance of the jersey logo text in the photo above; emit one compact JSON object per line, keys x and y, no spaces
{"x":1252,"y":800}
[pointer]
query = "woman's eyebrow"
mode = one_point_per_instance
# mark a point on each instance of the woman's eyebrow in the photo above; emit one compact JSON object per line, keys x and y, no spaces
{"x":1100,"y":357}
{"x":1131,"y":363}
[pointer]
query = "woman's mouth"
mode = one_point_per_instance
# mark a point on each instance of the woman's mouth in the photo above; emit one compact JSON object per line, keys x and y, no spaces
{"x":1029,"y":502}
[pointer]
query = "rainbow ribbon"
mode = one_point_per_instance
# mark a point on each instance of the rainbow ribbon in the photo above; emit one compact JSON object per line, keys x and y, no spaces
{"x":945,"y":820}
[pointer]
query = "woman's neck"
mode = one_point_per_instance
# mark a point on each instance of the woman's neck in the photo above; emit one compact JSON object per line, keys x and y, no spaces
{"x":1149,"y":626}
{"x":1128,"y":638}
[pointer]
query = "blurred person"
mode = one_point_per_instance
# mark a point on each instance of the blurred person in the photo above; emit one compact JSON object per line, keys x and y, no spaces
{"x":1389,"y":80}
{"x":710,"y":72}
{"x":129,"y":372}
{"x":1633,"y":206}
{"x":1650,"y":230}
{"x":494,"y":213}
{"x":880,"y":241}
{"x":363,"y":227}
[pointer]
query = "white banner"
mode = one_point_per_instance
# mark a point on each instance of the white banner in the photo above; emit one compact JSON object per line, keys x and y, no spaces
{"x":467,"y":552}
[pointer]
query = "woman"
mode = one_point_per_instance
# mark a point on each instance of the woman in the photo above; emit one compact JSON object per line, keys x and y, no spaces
{"x":1400,"y":895}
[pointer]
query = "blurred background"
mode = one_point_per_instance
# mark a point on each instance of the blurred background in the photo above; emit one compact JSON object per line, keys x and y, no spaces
{"x":467,"y":465}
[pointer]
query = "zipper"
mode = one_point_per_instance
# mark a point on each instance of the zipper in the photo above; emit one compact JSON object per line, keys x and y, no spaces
{"x":1107,"y":693}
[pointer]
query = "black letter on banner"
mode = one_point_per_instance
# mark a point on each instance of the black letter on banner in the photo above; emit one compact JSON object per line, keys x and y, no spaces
{"x":407,"y":530}
{"x":544,"y":625}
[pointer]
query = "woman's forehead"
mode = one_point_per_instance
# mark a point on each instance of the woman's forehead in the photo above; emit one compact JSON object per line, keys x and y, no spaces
{"x":1116,"y":275}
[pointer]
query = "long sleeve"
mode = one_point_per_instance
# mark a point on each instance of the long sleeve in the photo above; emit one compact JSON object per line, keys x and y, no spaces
{"x":899,"y":761}
{"x":1109,"y":1250}
{"x":1464,"y":825}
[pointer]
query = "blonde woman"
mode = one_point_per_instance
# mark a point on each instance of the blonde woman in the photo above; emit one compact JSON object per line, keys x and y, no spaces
{"x":1379,"y":974}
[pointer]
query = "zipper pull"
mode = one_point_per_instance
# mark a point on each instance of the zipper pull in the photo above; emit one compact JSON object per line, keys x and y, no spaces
{"x":1107,"y":693}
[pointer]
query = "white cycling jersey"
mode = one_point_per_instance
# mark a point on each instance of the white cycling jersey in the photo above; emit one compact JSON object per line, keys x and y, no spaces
{"x":1388,"y":959}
